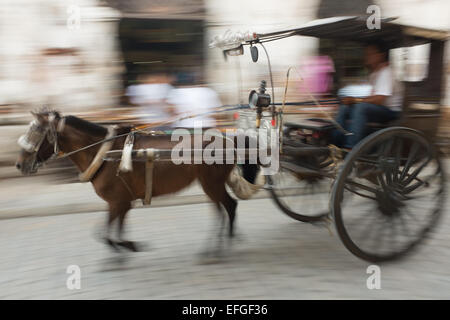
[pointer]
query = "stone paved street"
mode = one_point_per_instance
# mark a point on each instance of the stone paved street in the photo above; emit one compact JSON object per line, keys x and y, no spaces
{"x":276,"y":258}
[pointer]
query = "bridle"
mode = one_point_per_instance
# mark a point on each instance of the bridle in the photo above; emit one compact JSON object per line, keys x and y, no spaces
{"x":36,"y":134}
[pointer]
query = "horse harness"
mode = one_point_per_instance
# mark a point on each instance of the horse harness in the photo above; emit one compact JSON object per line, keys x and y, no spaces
{"x":32,"y":140}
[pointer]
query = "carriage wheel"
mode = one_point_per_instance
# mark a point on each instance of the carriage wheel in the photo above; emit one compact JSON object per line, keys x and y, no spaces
{"x":302,"y":198}
{"x":388,"y":194}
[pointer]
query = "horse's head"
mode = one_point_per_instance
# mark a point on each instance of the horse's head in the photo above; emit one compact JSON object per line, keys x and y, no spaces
{"x":39,"y":143}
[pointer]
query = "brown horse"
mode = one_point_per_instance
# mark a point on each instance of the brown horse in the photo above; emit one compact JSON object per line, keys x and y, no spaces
{"x":55,"y":134}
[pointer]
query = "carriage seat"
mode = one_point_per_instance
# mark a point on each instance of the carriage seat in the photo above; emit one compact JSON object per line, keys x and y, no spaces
{"x":314,"y":124}
{"x":382,"y":125}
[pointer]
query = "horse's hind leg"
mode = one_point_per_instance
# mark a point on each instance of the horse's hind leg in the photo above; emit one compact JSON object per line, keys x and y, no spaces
{"x":221,"y":218}
{"x":219,"y":195}
{"x":230,"y":206}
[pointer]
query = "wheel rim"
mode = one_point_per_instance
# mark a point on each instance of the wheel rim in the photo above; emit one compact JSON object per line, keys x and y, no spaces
{"x":302,"y":198}
{"x":389,"y":194}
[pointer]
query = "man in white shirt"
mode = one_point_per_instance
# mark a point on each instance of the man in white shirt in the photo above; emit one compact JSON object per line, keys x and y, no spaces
{"x":383,"y":105}
{"x":189,"y":99}
{"x":150,"y":96}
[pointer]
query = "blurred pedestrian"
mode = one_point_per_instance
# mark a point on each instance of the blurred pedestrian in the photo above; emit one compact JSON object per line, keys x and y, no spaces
{"x":189,"y":98}
{"x":150,"y":96}
{"x":317,"y":74}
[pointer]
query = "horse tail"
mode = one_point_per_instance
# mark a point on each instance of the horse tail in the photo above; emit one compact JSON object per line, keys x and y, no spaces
{"x":245,"y":180}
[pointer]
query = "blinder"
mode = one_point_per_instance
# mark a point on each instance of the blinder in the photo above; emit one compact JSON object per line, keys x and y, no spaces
{"x":32,"y":140}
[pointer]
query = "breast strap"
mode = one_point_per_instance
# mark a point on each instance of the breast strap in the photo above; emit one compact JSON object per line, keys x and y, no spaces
{"x":98,"y":159}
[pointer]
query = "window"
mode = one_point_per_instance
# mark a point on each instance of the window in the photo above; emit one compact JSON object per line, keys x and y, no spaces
{"x":411,"y":63}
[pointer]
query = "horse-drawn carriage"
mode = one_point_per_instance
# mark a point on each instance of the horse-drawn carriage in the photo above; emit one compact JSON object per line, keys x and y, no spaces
{"x":387,"y":192}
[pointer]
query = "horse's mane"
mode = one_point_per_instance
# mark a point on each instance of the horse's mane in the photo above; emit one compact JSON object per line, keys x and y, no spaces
{"x":86,"y":126}
{"x":93,"y":128}
{"x":83,"y":125}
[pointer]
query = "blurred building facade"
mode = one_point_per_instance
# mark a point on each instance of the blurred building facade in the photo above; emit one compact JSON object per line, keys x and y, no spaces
{"x":60,"y":53}
{"x":261,"y":16}
{"x":79,"y":55}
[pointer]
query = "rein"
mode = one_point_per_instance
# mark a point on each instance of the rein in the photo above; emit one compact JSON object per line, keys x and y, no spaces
{"x":68,"y":154}
{"x":32,"y":140}
{"x":143,"y":128}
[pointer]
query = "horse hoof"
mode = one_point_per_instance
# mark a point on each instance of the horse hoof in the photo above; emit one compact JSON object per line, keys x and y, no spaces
{"x":132,"y":246}
{"x":209,"y":257}
{"x":213,"y":255}
{"x":239,"y":237}
{"x":235,"y":237}
{"x":112,"y":244}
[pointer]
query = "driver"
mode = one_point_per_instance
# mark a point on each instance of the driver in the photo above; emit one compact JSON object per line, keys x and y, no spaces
{"x":383,"y":105}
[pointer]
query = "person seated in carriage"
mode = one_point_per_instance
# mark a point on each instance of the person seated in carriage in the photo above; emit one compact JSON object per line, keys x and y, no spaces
{"x":383,"y":105}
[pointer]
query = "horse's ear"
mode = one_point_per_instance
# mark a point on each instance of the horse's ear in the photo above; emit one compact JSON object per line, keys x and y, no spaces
{"x":57,"y":115}
{"x":38,"y":116}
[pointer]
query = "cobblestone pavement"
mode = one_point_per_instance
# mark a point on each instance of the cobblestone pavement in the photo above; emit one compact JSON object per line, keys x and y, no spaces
{"x":275,"y":258}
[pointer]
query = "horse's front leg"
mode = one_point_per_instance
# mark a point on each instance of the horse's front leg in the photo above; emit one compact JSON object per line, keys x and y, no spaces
{"x":118,"y":211}
{"x":121,"y":209}
{"x":113,"y":214}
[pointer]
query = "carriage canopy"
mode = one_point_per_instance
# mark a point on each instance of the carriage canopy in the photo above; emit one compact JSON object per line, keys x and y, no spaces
{"x":355,"y":28}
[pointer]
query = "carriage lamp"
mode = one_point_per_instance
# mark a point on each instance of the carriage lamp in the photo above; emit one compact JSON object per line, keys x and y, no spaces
{"x":259,"y":100}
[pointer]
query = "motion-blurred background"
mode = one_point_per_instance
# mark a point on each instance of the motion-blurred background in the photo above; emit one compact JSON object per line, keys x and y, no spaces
{"x":83,"y":57}
{"x":80,"y":56}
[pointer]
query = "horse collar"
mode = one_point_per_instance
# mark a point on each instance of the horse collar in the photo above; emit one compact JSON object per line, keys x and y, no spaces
{"x":95,"y":165}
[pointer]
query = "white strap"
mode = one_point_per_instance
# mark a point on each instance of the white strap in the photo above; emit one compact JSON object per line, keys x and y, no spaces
{"x":98,"y":159}
{"x":61,"y":124}
{"x":126,"y":163}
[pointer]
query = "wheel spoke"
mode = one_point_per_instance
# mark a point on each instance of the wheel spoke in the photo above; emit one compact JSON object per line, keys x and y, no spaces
{"x":405,"y":228}
{"x":394,"y":235}
{"x":360,"y":194}
{"x":388,"y":147}
{"x":417,"y":171}
{"x":379,"y":240}
{"x":293,"y":194}
{"x":398,"y":156}
{"x":389,"y":176}
{"x":362,"y":217}
{"x":414,"y":186}
{"x":365,"y":160}
{"x":382,"y":183}
{"x":409,"y":162}
{"x":405,"y":185}
{"x":369,"y":229}
{"x":361,"y":186}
